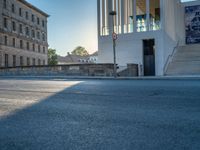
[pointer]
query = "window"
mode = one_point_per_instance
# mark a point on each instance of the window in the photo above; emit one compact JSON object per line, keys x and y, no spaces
{"x":13,"y":42}
{"x":33,"y":18}
{"x":43,"y":62}
{"x":39,"y":62}
{"x":20,"y":28}
{"x":43,"y":49}
{"x":154,"y":14}
{"x":141,"y":15}
{"x":14,"y":60}
{"x":38,"y":21}
{"x":27,"y":45}
{"x":6,"y":60}
{"x":13,"y":8}
{"x":5,"y":22}
{"x":21,"y":61}
{"x":26,"y":15}
{"x":5,"y":4}
{"x":43,"y":37}
{"x":33,"y":33}
{"x":28,"y":61}
{"x":5,"y":40}
{"x":13,"y":26}
{"x":21,"y":44}
{"x":33,"y":61}
{"x":34,"y":47}
{"x":38,"y":48}
{"x":20,"y":12}
{"x":42,"y":23}
{"x":27,"y":31}
{"x":38,"y":35}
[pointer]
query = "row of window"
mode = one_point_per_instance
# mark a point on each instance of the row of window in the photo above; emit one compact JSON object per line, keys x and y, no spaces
{"x":27,"y":30}
{"x":24,"y":45}
{"x":20,"y":11}
{"x":22,"y":61}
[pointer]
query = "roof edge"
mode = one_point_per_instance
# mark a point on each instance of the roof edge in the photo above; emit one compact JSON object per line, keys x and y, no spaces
{"x":34,"y":8}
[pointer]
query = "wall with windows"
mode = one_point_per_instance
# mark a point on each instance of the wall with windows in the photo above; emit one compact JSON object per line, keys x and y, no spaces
{"x":23,"y":33}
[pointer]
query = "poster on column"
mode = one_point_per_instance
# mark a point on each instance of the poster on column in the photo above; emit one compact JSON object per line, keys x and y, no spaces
{"x":192,"y":24}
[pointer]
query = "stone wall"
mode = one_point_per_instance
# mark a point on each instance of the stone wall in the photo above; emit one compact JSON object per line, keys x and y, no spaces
{"x":60,"y":70}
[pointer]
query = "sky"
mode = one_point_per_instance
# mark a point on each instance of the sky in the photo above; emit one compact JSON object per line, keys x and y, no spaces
{"x":71,"y":23}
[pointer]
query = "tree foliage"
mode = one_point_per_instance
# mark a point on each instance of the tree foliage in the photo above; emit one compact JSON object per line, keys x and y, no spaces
{"x":52,"y":57}
{"x":81,"y":51}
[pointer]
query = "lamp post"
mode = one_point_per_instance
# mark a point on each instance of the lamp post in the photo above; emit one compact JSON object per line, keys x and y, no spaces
{"x":114,"y":37}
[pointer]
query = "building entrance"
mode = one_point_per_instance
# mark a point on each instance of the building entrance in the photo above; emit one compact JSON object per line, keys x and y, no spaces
{"x":149,"y":57}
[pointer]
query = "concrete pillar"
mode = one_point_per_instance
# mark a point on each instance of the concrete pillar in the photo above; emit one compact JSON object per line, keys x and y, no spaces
{"x":122,"y":16}
{"x":110,"y":19}
{"x":119,"y":16}
{"x":148,"y":14}
{"x":134,"y":17}
{"x":98,"y":18}
{"x":162,"y":15}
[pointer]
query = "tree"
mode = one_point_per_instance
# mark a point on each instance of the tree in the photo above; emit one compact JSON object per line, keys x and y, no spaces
{"x":52,"y":57}
{"x":81,"y":51}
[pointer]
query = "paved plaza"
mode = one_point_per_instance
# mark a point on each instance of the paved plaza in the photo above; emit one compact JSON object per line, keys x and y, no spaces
{"x":62,"y":114}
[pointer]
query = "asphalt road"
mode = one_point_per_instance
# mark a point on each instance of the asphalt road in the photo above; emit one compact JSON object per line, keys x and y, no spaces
{"x":99,"y":114}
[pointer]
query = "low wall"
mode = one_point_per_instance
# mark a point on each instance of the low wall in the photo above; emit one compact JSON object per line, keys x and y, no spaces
{"x":59,"y":70}
{"x":130,"y":71}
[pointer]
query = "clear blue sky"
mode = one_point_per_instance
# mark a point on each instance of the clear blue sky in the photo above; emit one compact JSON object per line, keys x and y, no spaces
{"x":71,"y":23}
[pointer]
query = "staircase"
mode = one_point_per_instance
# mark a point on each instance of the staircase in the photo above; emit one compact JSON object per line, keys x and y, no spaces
{"x":186,"y":61}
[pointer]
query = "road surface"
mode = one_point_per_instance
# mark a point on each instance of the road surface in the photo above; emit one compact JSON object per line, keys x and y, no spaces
{"x":60,"y":114}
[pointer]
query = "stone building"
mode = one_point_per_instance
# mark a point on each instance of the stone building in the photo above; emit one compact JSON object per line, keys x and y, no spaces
{"x":161,"y":36}
{"x":23,"y":34}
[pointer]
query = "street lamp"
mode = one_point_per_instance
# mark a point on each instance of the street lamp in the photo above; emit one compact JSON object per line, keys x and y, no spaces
{"x":114,"y":37}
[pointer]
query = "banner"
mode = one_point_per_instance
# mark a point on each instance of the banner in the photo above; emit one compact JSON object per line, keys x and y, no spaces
{"x":192,"y":24}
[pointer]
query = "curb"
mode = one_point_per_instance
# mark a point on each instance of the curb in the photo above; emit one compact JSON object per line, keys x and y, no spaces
{"x":104,"y":78}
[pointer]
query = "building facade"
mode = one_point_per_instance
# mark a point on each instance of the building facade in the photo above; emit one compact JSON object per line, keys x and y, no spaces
{"x":148,"y":32}
{"x":23,"y":34}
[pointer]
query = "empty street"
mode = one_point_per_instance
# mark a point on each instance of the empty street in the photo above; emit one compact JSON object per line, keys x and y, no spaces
{"x":61,"y":114}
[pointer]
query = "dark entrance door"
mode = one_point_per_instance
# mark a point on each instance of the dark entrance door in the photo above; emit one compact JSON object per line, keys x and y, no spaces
{"x":149,"y":57}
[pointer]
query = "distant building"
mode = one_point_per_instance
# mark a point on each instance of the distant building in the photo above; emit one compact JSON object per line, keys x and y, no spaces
{"x":23,"y":34}
{"x":150,"y":32}
{"x":93,"y":58}
{"x":76,"y":59}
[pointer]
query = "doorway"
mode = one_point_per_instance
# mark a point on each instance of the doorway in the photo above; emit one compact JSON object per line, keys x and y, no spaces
{"x":149,"y":57}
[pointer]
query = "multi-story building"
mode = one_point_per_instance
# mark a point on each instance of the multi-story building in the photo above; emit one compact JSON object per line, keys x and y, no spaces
{"x":23,"y":34}
{"x":162,"y":36}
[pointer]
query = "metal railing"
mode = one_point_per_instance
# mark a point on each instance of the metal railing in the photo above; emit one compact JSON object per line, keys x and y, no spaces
{"x":170,"y":57}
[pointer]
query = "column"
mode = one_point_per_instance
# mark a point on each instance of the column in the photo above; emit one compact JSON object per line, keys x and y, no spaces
{"x":98,"y":19}
{"x":103,"y":17}
{"x":134,"y":17}
{"x":122,"y":16}
{"x":119,"y":17}
{"x":148,"y":16}
{"x":110,"y":21}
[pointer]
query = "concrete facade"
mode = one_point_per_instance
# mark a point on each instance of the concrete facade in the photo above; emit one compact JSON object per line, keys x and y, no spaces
{"x":167,"y":32}
{"x":23,"y":34}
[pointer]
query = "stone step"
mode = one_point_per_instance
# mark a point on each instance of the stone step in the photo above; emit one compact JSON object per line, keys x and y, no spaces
{"x":186,"y":58}
{"x":186,"y":68}
{"x":186,"y":61}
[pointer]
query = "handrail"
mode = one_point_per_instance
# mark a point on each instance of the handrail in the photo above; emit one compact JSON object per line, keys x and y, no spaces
{"x":169,"y":58}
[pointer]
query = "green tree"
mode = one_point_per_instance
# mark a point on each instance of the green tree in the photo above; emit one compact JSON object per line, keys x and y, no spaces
{"x":81,"y":51}
{"x":52,"y":57}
